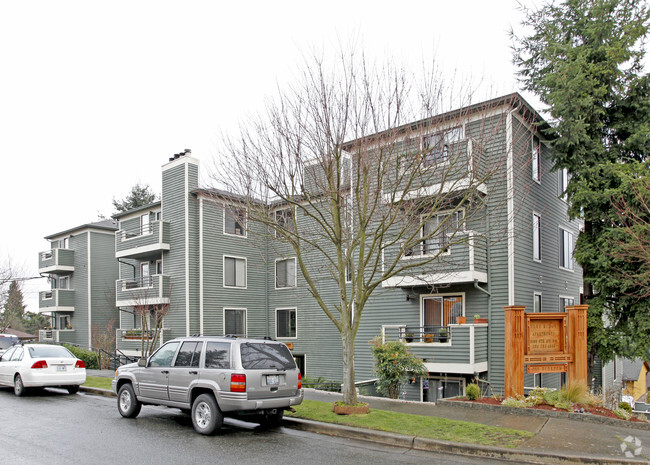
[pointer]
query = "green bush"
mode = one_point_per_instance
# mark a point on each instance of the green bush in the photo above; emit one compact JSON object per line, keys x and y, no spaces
{"x":394,"y":365}
{"x":472,"y":391}
{"x":89,"y":357}
{"x":622,"y":413}
{"x":625,"y":406}
{"x":519,"y":402}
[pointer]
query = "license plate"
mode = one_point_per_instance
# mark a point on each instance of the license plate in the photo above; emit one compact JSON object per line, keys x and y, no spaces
{"x":60,"y":368}
{"x":272,"y":380}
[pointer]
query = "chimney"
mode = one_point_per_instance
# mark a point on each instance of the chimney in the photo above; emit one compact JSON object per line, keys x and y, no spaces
{"x":182,"y":154}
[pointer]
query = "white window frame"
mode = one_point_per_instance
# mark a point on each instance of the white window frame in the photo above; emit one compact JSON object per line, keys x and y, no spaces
{"x":565,"y":259}
{"x":145,"y":266}
{"x":536,"y":150}
{"x":441,"y":295}
{"x":245,"y":286}
{"x":457,"y":134}
{"x":537,"y":295}
{"x":564,"y":297}
{"x":290,"y":309}
{"x":563,"y":183}
{"x":145,"y":223}
{"x":286,"y":214}
{"x":459,"y":230}
{"x":226,"y":212}
{"x":159,"y":267}
{"x":66,"y":280}
{"x":295,"y":273}
{"x":537,"y":237}
{"x":64,"y":243}
{"x":245,"y":310}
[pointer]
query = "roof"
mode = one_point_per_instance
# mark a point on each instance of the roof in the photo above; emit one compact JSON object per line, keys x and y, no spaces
{"x":632,"y":369}
{"x":107,"y":225}
{"x":20,"y":334}
{"x":136,"y":209}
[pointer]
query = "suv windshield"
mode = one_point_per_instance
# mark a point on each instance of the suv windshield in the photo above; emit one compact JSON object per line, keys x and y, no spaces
{"x":259,"y":356}
{"x":6,"y":342}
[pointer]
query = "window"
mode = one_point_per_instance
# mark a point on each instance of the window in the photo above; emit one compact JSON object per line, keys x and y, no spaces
{"x":258,"y":356}
{"x":437,"y":231}
{"x":144,"y":274}
{"x":566,"y":249}
{"x":163,"y":357}
{"x":217,"y":355}
{"x":537,"y":237}
{"x":64,"y":243}
{"x":284,"y":219}
{"x":536,"y":149}
{"x":441,"y":311}
{"x":436,"y":146}
{"x":234,"y":321}
{"x":565,"y":302}
{"x":159,"y":267}
{"x":64,"y":322}
{"x":144,"y":224}
{"x":285,"y":273}
{"x":563,"y":182}
{"x":234,"y":272}
{"x":285,"y":322}
{"x":234,"y":222}
{"x":537,"y":302}
{"x":64,"y":282}
{"x":158,"y":216}
{"x":189,"y":355}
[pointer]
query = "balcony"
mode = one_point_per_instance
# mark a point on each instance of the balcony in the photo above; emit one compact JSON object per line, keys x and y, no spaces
{"x":152,"y":290}
{"x":56,"y":335}
{"x":56,"y":300}
{"x":444,"y":349}
{"x":57,"y":261}
{"x":144,"y":241}
{"x":130,"y":340}
{"x":465,"y":261}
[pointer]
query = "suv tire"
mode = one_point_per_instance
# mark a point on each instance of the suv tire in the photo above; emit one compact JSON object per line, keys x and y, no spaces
{"x":206,"y":415}
{"x":128,"y":405}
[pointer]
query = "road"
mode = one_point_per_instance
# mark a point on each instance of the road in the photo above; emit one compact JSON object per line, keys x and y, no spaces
{"x":50,"y":427}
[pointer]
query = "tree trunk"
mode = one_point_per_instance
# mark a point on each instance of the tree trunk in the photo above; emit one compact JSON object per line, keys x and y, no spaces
{"x":349,"y":388}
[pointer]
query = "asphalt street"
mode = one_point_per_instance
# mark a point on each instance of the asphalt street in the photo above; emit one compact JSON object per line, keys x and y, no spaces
{"x":50,"y":427}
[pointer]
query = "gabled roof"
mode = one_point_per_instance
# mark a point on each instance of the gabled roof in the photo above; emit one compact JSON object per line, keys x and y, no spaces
{"x":632,"y":369}
{"x":106,"y":225}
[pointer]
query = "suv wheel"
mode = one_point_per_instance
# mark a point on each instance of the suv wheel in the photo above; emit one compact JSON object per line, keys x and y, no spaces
{"x":271,"y":418}
{"x":206,"y":416}
{"x":19,"y":387}
{"x":128,"y":405}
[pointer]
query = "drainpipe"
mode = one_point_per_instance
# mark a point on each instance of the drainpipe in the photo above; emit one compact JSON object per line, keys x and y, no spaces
{"x":129,"y":264}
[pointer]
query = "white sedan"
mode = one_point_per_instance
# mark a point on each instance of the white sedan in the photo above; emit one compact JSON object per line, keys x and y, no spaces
{"x":41,"y":365}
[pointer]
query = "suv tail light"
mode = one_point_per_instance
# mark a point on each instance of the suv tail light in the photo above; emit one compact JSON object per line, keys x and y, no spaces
{"x":80,"y":364}
{"x":40,"y":364}
{"x":299,"y":380}
{"x":237,"y":382}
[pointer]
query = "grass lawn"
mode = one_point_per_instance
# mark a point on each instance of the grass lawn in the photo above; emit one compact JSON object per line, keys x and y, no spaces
{"x":98,"y":382}
{"x":415,"y":425}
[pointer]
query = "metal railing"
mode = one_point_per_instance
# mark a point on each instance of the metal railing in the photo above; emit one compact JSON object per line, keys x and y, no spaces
{"x":138,"y":283}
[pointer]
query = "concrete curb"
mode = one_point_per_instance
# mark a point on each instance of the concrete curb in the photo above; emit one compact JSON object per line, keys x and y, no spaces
{"x":425,"y":444}
{"x":433,"y":445}
{"x":584,"y":417}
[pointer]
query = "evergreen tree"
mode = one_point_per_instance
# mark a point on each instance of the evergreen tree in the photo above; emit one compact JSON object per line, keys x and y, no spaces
{"x":14,"y":309}
{"x":584,"y":60}
{"x":139,"y":196}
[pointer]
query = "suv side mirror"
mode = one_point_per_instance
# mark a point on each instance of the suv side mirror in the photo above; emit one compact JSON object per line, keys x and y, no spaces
{"x":142,"y":362}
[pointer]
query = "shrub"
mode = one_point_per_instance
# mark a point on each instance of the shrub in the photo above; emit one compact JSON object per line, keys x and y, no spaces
{"x":89,"y":357}
{"x":622,"y":413}
{"x":625,"y":406}
{"x":394,"y":364}
{"x":519,"y":402}
{"x":575,"y":392}
{"x":472,"y":391}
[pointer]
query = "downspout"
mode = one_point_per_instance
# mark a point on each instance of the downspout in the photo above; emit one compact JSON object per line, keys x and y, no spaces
{"x":130,"y":264}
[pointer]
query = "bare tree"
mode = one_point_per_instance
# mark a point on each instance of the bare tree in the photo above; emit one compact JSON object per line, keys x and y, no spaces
{"x":350,"y":171}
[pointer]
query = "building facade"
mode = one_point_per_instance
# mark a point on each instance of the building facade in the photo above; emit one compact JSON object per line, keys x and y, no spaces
{"x":195,"y":258}
{"x":81,"y":270}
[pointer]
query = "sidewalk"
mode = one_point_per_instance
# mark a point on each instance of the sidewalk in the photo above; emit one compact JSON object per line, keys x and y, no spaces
{"x":556,"y":440}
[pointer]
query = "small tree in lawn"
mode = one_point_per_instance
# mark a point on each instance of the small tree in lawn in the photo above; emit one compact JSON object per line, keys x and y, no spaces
{"x":394,"y":365}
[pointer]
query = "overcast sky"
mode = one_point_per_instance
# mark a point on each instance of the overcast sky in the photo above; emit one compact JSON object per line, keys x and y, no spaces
{"x":95,"y":96}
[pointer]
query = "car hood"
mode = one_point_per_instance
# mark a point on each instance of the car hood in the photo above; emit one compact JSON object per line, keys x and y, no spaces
{"x":128,"y":367}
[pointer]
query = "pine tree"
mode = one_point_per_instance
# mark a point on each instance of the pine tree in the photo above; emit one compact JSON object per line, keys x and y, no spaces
{"x":14,"y":310}
{"x":139,"y":196}
{"x":584,"y":60}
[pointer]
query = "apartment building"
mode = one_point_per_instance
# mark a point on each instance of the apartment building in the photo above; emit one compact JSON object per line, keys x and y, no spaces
{"x":195,"y":257}
{"x":81,"y":270}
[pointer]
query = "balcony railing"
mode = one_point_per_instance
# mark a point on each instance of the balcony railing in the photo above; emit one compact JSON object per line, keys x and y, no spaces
{"x":142,"y":241}
{"x":56,"y":300}
{"x":131,"y":334}
{"x":462,"y":348}
{"x":463,"y":260}
{"x":56,"y":261}
{"x":56,"y":335}
{"x":151,"y":290}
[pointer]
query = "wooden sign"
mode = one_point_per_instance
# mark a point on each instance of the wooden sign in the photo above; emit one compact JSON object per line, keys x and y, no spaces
{"x":547,"y":368}
{"x":546,"y":333}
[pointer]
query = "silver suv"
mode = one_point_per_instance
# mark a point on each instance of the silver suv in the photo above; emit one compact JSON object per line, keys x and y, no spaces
{"x":210,"y":377}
